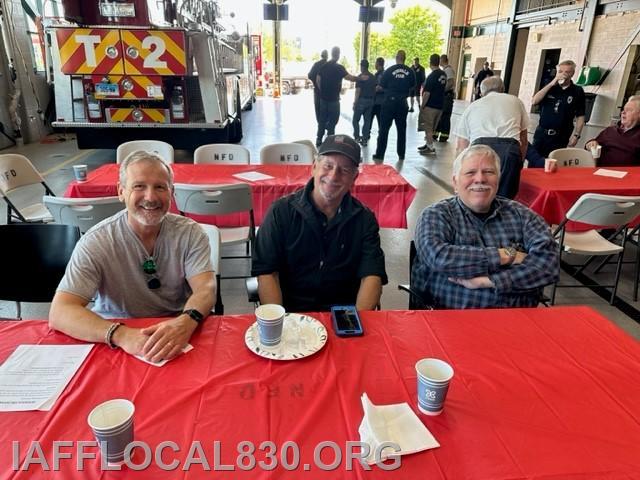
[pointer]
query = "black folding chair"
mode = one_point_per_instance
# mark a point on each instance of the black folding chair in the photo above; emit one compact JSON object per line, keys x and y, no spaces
{"x":35,"y":259}
{"x":417,"y":300}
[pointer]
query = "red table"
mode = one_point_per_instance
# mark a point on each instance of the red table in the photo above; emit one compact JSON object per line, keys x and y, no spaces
{"x":379,"y":187}
{"x":537,"y":393}
{"x":551,"y":195}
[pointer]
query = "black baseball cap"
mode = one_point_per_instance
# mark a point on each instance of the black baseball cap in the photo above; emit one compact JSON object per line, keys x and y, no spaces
{"x":342,"y":144}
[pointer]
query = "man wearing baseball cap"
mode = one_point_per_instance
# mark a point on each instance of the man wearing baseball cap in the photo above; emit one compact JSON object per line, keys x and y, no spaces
{"x":319,"y":246}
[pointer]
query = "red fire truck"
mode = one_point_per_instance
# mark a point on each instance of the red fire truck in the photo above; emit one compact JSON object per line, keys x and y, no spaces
{"x":149,"y":70}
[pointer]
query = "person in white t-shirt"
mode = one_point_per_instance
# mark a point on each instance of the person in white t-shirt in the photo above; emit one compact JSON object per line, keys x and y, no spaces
{"x":500,"y":121}
{"x":141,"y":262}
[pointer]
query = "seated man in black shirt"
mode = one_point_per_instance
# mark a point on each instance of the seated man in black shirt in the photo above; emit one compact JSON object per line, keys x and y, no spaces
{"x":319,"y":246}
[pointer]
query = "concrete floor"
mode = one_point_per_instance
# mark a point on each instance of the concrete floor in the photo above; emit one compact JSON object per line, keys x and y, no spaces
{"x":292,"y":118}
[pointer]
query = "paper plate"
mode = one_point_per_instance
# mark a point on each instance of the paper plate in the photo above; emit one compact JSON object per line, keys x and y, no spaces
{"x":302,"y":336}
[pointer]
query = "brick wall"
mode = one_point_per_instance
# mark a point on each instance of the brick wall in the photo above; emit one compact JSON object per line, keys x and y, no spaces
{"x":484,"y":46}
{"x":609,"y":37}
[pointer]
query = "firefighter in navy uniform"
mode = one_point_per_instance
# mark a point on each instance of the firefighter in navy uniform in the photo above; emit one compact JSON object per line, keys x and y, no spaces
{"x":560,"y":102}
{"x":398,"y":82}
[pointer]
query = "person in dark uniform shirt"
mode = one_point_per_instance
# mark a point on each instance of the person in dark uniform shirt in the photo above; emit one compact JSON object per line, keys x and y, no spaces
{"x":444,"y":126}
{"x":363,"y":103}
{"x":379,"y":96}
{"x":561,"y":101}
{"x":419,"y":72}
{"x":313,"y":73}
{"x":479,"y":77}
{"x":329,"y":81}
{"x":398,"y":82}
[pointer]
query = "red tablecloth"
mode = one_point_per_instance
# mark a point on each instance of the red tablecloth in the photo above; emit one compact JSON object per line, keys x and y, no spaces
{"x":552,"y":194}
{"x":537,"y":393}
{"x":379,"y":187}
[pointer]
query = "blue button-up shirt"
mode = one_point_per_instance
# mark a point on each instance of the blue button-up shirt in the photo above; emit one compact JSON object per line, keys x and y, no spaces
{"x":451,"y":241}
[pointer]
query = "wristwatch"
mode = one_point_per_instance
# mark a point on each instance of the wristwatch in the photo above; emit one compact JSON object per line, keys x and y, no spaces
{"x":511,"y":253}
{"x":194,"y":314}
{"x":577,"y":135}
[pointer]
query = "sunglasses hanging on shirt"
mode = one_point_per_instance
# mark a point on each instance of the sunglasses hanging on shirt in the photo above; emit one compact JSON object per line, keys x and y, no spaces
{"x":149,"y":268}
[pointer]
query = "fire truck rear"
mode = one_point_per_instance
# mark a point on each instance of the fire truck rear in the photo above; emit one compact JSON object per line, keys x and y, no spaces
{"x":158,"y":70}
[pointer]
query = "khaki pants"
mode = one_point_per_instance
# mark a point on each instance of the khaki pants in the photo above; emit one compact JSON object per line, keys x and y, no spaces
{"x":428,"y":120}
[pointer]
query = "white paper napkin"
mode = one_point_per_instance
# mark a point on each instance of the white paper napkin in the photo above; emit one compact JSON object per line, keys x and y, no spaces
{"x":252,"y":176}
{"x":393,"y":423}
{"x":603,"y":172}
{"x":187,"y":348}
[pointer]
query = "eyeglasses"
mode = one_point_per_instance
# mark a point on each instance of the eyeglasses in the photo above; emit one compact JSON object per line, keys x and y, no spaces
{"x":149,"y":268}
{"x":329,"y":166}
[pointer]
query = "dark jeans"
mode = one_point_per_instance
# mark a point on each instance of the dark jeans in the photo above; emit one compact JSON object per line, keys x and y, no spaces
{"x":329,"y":115}
{"x":545,"y":143}
{"x":508,"y":149}
{"x":394,"y":109}
{"x":375,"y":113}
{"x":362,"y":108}
{"x":445,"y":120}
{"x":316,"y":104}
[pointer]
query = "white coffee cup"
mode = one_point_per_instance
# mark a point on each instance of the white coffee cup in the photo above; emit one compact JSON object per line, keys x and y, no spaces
{"x":596,"y":150}
{"x":550,"y":165}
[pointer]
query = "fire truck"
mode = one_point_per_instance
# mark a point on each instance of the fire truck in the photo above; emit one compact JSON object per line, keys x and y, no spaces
{"x":148,"y":70}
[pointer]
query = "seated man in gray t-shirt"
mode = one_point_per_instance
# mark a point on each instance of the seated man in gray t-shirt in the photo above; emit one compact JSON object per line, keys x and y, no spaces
{"x":141,"y":262}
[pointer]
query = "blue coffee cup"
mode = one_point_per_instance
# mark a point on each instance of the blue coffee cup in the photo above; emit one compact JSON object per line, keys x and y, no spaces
{"x":433,"y":379}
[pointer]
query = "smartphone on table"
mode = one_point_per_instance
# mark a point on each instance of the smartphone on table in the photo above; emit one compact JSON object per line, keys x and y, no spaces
{"x":346,"y":322}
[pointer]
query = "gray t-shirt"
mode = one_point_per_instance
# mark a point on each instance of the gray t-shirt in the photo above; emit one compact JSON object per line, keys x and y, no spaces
{"x":107,"y":264}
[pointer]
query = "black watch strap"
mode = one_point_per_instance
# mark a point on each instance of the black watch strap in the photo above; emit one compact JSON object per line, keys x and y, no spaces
{"x":194,"y":314}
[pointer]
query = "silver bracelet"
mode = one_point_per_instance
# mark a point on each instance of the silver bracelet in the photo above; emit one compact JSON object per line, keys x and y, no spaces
{"x":108,"y":337}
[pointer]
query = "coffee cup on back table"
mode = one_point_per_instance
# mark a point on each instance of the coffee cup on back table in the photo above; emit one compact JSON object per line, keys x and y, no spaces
{"x":112,"y":425}
{"x":80,"y":172}
{"x":434,"y":376}
{"x":550,"y":165}
{"x":596,"y":150}
{"x":270,"y":318}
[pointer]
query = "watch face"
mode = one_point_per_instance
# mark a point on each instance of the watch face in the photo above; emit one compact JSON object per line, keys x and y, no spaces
{"x":195,"y":314}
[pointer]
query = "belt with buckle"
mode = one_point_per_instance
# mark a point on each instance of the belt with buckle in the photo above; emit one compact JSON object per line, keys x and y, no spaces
{"x":551,"y":132}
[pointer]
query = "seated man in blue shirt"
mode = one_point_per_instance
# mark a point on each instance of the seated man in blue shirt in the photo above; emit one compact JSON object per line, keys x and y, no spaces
{"x":476,"y":250}
{"x":319,"y":246}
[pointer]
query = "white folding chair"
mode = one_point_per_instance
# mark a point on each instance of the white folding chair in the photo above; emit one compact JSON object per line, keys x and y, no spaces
{"x":309,"y":144}
{"x":220,"y":200}
{"x":82,"y":212}
{"x":573,"y":157}
{"x":162,"y":149}
{"x":215,"y":243}
{"x":599,"y":211}
{"x":280,"y":153}
{"x":17,"y":172}
{"x":222,"y":154}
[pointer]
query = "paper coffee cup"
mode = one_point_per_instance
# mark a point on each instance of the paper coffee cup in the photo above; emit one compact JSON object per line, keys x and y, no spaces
{"x":112,"y":425}
{"x":80,"y":172}
{"x":596,"y":151}
{"x":550,"y":165}
{"x":270,"y":318}
{"x":434,"y":376}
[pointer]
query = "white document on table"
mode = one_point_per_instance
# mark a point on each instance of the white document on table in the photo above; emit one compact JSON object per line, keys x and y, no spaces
{"x":603,"y":172}
{"x":252,"y":176}
{"x":34,"y":376}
